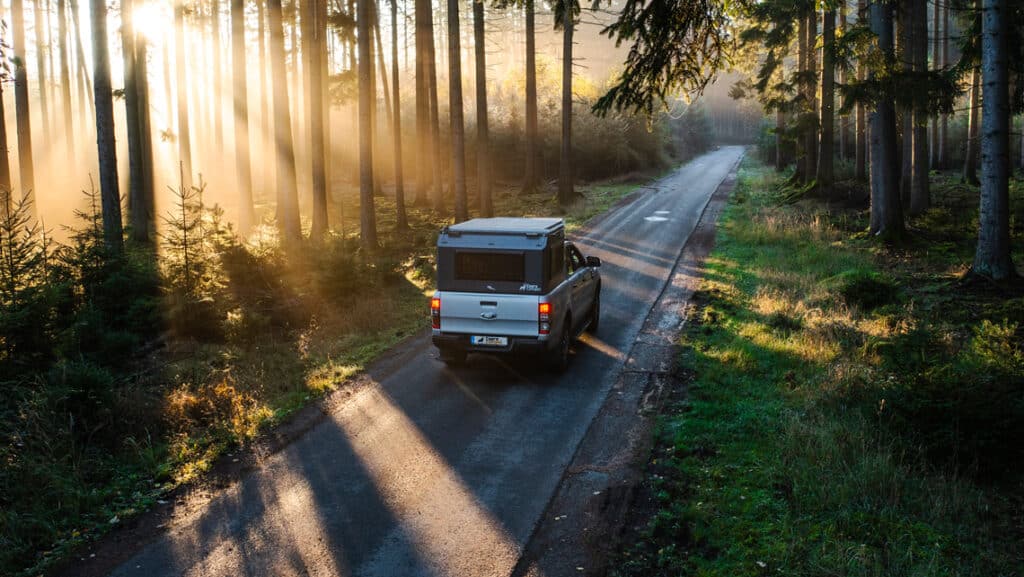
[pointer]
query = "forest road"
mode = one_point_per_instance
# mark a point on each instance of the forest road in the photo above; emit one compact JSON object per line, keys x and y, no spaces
{"x":421,"y":470}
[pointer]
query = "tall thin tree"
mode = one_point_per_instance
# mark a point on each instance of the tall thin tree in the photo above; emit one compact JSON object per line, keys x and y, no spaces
{"x":109,"y":189}
{"x":316,"y":50}
{"x":402,"y":220}
{"x":424,"y":174}
{"x":532,"y":176}
{"x":886,"y":210}
{"x":920,"y":197}
{"x":181,"y":96}
{"x":483,"y":139}
{"x":992,"y":257}
{"x":22,"y":113}
{"x":139,"y":206}
{"x":825,"y":174}
{"x":287,"y":191}
{"x":240,"y":99}
{"x":65,"y":77}
{"x":367,"y":214}
{"x":42,"y":51}
{"x":566,"y":12}
{"x":458,"y":128}
{"x":860,"y":133}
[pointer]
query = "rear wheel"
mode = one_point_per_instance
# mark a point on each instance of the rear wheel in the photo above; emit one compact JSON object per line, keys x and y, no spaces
{"x":453,"y":357}
{"x":559,"y":357}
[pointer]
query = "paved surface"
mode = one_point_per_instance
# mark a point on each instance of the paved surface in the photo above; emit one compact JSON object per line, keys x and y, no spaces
{"x":425,"y":471}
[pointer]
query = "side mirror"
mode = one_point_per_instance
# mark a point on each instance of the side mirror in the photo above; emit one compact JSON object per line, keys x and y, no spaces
{"x":593,"y":261}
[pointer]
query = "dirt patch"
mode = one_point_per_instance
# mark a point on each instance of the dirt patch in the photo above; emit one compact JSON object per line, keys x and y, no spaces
{"x":602,"y":496}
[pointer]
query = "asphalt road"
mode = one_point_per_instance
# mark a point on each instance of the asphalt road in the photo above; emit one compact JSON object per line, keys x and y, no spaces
{"x":428,"y":471}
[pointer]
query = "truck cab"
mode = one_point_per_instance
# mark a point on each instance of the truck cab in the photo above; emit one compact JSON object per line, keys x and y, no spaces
{"x":512,"y":285}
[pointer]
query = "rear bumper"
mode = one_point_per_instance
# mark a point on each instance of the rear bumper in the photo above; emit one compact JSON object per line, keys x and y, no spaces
{"x":516,"y":345}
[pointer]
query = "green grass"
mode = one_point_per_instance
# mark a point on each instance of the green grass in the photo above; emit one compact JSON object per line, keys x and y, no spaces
{"x":196,"y":400}
{"x":851,"y":410}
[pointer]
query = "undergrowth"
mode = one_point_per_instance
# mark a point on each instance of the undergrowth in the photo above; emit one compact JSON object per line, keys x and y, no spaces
{"x":853,"y":409}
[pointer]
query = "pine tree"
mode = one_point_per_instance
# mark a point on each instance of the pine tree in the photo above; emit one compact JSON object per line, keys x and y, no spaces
{"x":458,"y":129}
{"x":483,"y":144}
{"x":367,"y":215}
{"x":992,"y":257}
{"x":240,"y":97}
{"x":402,"y":222}
{"x":110,"y":192}
{"x":287,"y":191}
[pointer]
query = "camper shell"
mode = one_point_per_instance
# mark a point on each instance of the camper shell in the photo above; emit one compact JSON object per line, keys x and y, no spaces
{"x":502,"y":255}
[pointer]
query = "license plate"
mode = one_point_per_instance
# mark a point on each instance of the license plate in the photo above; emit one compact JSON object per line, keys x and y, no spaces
{"x":490,"y":341}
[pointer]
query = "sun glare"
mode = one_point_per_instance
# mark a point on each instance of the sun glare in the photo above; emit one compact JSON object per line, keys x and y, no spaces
{"x":152,"y":20}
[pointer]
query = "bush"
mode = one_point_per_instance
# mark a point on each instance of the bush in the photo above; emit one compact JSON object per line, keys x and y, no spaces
{"x":866,"y":290}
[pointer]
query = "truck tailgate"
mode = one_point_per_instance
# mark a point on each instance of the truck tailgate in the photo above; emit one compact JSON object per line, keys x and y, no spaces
{"x":489,"y":314}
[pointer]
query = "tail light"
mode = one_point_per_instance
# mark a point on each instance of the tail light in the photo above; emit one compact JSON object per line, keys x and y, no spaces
{"x":435,"y":313}
{"x":544,"y":311}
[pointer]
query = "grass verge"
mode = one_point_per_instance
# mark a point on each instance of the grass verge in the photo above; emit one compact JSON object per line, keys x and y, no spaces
{"x":851,"y":409}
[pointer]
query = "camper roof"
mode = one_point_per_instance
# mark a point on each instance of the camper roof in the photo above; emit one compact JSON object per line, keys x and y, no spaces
{"x":506,"y":225}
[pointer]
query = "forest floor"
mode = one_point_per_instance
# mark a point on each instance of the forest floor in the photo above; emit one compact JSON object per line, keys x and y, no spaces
{"x":187,"y":406}
{"x":845,"y":408}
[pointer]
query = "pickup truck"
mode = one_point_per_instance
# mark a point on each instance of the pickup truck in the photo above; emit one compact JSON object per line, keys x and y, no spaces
{"x":512,"y":285}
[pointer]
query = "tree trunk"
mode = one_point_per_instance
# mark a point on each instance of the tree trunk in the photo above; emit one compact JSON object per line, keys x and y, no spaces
{"x":109,"y":193}
{"x":861,"y":155}
{"x":435,"y":124}
{"x":944,"y":125}
{"x":811,"y":88}
{"x":5,"y":163}
{"x":218,"y":73}
{"x":532,"y":176}
{"x":920,"y":197}
{"x":287,"y":191}
{"x":844,"y":120}
{"x":21,"y":105}
{"x":402,"y":221}
{"x":483,"y":139}
{"x":85,"y":91}
{"x":424,"y":174}
{"x":367,"y":216}
{"x":826,"y":175}
{"x":139,"y":207}
{"x":266,"y":101}
{"x":992,"y":258}
{"x":566,"y":167}
{"x":936,"y":46}
{"x":42,"y":48}
{"x":780,"y":128}
{"x":240,"y":97}
{"x":184,"y":135}
{"x":904,"y":53}
{"x":970,"y":174}
{"x":886,"y":210}
{"x":458,"y":127}
{"x":316,"y":48}
{"x":65,"y":77}
{"x":802,"y":173}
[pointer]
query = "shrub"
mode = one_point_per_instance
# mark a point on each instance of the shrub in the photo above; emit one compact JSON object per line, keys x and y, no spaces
{"x":866,"y":290}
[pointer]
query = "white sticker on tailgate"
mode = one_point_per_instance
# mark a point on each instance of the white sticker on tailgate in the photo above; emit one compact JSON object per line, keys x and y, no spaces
{"x":490,"y":341}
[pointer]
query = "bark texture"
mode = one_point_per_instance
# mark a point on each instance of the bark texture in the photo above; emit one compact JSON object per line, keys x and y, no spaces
{"x":992,"y":258}
{"x":240,"y":97}
{"x":886,"y":210}
{"x":458,"y":128}
{"x":483,"y":138}
{"x":367,"y":217}
{"x":825,"y":175}
{"x":287,"y":191}
{"x":110,"y":193}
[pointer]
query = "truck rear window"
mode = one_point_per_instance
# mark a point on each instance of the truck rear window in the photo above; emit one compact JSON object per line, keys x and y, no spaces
{"x":490,"y":266}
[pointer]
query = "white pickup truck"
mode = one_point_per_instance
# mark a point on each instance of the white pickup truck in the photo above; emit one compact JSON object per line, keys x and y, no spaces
{"x":512,"y":285}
